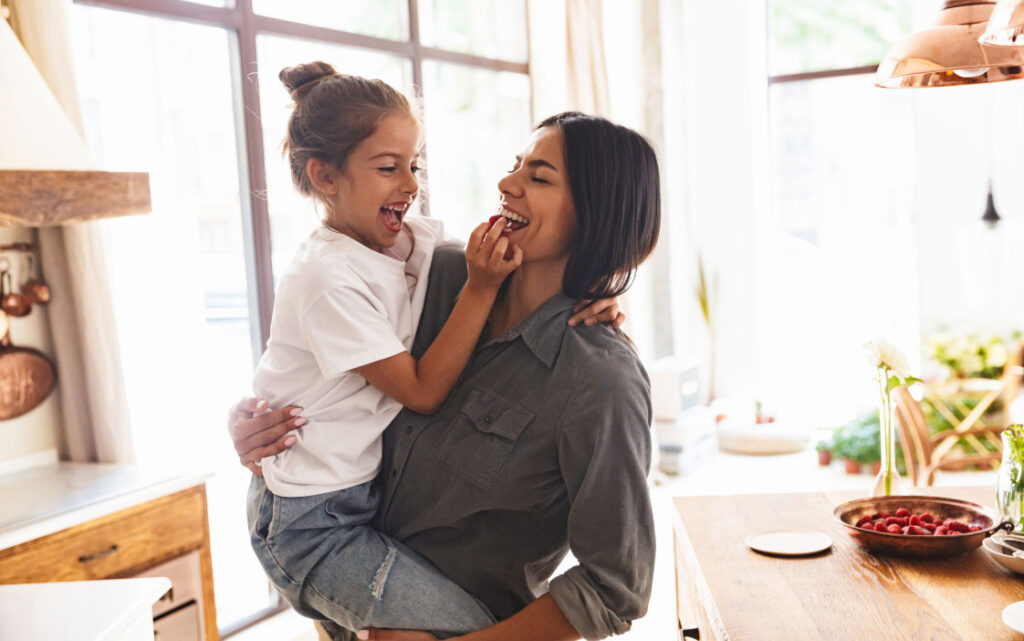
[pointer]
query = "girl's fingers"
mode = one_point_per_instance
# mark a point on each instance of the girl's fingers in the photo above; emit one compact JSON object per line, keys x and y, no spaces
{"x":498,"y":253}
{"x":619,"y":321}
{"x":582,"y":304}
{"x":517,"y":256}
{"x":491,"y":237}
{"x":604,"y":309}
{"x":476,"y":237}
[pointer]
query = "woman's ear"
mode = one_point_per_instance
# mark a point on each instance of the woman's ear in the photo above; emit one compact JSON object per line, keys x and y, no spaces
{"x":322,"y":176}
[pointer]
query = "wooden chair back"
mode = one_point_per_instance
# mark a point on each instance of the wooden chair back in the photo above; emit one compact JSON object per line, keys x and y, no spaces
{"x":914,"y":434}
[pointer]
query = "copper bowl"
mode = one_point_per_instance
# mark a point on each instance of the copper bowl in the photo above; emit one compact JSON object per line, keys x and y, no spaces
{"x":919,"y":546}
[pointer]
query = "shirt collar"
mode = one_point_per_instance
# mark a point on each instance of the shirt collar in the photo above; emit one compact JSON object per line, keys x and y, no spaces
{"x":543,"y":330}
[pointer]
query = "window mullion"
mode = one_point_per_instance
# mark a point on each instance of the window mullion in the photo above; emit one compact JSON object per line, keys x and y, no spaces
{"x":256,"y":221}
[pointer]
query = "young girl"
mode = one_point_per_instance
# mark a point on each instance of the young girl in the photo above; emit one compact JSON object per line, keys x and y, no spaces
{"x":344,"y":319}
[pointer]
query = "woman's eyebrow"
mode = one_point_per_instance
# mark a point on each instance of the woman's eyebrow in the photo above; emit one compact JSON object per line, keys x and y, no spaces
{"x":537,"y":163}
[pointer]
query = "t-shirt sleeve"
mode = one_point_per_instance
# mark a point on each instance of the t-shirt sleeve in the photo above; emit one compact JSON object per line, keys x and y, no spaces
{"x":347,"y":328}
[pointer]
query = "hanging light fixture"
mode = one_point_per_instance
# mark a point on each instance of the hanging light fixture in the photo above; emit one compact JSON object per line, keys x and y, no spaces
{"x":948,"y":53}
{"x":1006,"y":26}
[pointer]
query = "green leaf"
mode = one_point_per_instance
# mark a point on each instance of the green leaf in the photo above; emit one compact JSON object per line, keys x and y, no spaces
{"x":910,"y":380}
{"x":893,"y":383}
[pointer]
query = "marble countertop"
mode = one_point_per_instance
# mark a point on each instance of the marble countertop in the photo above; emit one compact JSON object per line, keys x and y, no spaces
{"x":46,"y":499}
{"x":83,"y":610}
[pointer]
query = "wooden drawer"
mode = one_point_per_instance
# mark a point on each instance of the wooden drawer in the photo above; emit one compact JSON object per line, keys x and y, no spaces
{"x":116,"y":545}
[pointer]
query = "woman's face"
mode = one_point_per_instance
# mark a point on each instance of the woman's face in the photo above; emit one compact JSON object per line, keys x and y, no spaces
{"x":536,"y":201}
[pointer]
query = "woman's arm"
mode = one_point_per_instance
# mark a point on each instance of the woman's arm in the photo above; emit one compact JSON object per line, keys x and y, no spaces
{"x":539,"y":621}
{"x":604,"y":453}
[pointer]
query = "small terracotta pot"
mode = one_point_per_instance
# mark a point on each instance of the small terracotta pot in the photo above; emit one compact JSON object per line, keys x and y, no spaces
{"x":824,"y":457}
{"x":852,"y":465}
{"x":876,"y":467}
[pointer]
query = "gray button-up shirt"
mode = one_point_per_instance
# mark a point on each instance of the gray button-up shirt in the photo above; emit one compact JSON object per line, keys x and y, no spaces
{"x":543,"y":447}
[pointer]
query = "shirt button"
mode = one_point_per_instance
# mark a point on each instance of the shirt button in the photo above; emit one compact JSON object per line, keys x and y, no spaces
{"x":394,"y":473}
{"x":408,"y":429}
{"x":488,"y":419}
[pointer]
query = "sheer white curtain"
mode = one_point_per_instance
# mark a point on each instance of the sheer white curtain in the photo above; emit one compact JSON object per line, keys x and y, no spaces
{"x":94,"y":406}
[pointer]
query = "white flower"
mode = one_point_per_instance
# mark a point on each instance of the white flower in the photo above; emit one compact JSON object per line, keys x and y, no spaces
{"x":997,"y":355}
{"x":882,"y":353}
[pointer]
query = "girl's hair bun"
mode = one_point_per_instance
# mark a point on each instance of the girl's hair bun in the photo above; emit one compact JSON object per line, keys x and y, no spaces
{"x":300,"y":78}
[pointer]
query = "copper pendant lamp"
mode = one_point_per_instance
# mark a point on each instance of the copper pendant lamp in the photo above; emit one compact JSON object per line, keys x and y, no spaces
{"x":948,"y":53}
{"x":1006,"y":26}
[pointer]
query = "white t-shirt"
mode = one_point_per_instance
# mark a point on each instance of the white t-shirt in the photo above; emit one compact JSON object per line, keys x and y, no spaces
{"x":340,"y":305}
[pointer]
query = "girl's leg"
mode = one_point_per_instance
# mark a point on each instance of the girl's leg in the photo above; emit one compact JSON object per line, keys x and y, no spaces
{"x":330,"y":564}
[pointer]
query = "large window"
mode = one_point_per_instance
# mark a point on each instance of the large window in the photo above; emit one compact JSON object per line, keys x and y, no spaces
{"x":189,"y":92}
{"x":842,"y":239}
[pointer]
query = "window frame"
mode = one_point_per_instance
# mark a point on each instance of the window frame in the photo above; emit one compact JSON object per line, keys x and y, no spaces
{"x":244,"y":26}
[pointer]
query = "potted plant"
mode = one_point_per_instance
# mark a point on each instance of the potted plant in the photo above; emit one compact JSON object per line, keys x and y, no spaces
{"x":824,"y":449}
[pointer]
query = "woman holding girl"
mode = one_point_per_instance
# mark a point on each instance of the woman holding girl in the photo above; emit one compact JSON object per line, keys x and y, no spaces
{"x":542,"y":446}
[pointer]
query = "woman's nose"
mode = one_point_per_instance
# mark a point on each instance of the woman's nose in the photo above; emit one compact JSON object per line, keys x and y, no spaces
{"x":510,"y":185}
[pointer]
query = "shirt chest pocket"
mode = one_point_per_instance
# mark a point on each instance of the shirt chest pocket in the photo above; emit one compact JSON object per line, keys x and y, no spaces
{"x":477,"y":445}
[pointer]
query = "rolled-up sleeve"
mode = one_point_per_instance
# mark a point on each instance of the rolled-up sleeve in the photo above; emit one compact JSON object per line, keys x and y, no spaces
{"x":604,"y":451}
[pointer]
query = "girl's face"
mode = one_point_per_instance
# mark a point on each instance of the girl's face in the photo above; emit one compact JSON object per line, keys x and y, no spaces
{"x":368,"y":200}
{"x":536,"y":201}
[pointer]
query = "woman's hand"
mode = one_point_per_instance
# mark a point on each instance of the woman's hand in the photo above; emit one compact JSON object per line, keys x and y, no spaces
{"x":591,"y":312}
{"x":395,"y":635}
{"x":257,"y":431}
{"x":489,"y":258}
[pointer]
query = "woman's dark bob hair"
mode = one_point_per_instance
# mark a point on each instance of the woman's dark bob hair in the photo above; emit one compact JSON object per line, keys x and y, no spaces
{"x":615,"y":185}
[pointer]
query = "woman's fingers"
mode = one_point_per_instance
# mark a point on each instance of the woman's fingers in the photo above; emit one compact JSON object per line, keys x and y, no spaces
{"x":394,"y":635}
{"x":246,"y":408}
{"x":619,"y":321}
{"x":257,"y":454}
{"x":268,"y":435}
{"x":491,"y":238}
{"x":244,"y":427}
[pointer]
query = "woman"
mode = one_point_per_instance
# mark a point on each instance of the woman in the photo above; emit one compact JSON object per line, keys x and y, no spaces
{"x":544,"y":445}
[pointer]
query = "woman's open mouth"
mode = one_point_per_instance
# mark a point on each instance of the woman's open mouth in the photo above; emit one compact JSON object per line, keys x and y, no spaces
{"x":392,"y":213}
{"x":513,"y":221}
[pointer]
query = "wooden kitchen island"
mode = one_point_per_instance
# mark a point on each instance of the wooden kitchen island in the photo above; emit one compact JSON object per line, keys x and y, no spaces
{"x":725,"y":591}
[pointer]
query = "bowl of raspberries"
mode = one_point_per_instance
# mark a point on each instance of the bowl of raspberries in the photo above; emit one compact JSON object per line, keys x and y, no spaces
{"x":923,"y":527}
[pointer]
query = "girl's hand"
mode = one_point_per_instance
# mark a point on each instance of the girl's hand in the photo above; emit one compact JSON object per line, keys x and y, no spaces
{"x":257,"y":431}
{"x":394,"y":635}
{"x":605,"y":310}
{"x":489,"y":258}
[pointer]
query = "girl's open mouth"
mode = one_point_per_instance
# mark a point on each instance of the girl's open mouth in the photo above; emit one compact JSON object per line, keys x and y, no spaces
{"x":392,"y":214}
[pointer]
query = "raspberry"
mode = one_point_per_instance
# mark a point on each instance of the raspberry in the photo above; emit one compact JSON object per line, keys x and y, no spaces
{"x":893,"y":529}
{"x":974,"y":528}
{"x":927,"y":517}
{"x":917,"y":531}
{"x":880,"y":527}
{"x":941,"y":531}
{"x":916,"y":520}
{"x":956,"y":526}
{"x":862,"y":520}
{"x":903,"y":512}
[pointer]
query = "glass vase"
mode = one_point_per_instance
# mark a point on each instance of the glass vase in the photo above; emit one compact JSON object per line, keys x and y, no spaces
{"x":888,"y":482}
{"x":1010,"y":481}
